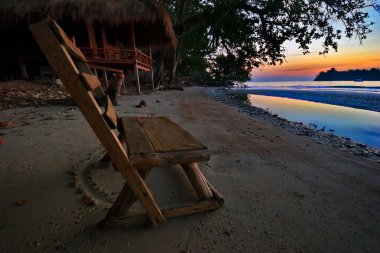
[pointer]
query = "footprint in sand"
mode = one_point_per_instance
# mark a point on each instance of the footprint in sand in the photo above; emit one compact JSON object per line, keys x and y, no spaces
{"x":97,"y":181}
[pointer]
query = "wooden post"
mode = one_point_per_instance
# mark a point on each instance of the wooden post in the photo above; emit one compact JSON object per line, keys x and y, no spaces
{"x":24,"y":72}
{"x":133,"y":36}
{"x":197,"y":180}
{"x":152,"y":77}
{"x":151,"y":67}
{"x":105,"y":77}
{"x":92,"y":43}
{"x":137,"y":78}
{"x":104,"y":39}
{"x":123,"y":82}
{"x":135,"y":58}
{"x":91,"y":36}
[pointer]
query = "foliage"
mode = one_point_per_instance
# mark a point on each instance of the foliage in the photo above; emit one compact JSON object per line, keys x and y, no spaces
{"x":226,"y":39}
{"x":349,"y":75}
{"x":239,"y":97}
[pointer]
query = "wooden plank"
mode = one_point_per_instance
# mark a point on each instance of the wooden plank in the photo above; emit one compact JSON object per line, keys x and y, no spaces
{"x":142,"y":67}
{"x":69,"y":45}
{"x":92,"y":82}
{"x":166,"y":136}
{"x":110,"y":114}
{"x":84,"y":68}
{"x":137,"y":140}
{"x":106,"y":68}
{"x":137,"y":78}
{"x":197,"y":180}
{"x":63,"y":65}
{"x":168,"y":158}
{"x":193,"y":208}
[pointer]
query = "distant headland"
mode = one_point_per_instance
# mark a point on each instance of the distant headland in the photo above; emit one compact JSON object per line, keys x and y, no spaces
{"x":349,"y":75}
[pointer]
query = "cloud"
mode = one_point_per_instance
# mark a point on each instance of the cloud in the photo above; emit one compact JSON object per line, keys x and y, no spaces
{"x":377,"y":60}
{"x":300,"y":69}
{"x":281,"y":78}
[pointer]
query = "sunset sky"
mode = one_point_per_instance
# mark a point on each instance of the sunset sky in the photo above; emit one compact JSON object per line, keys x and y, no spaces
{"x":351,"y":55}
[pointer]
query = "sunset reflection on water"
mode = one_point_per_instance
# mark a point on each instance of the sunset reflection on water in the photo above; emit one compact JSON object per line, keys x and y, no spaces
{"x":359,"y":125}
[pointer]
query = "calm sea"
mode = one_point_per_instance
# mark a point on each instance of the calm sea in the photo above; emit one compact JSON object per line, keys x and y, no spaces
{"x":365,"y":86}
{"x":327,"y":105}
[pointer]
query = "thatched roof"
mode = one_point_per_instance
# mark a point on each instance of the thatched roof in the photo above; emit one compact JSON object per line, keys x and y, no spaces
{"x":150,"y":13}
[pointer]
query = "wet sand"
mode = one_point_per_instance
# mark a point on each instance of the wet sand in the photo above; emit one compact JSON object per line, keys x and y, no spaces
{"x":283,"y":192}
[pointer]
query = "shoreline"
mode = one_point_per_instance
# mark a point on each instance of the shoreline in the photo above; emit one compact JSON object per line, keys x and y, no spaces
{"x":359,"y":100}
{"x":345,"y":144}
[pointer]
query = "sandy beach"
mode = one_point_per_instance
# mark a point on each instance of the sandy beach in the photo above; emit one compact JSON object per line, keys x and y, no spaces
{"x":283,"y":192}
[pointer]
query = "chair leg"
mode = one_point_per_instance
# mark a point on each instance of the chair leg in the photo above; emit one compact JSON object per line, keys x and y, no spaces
{"x":197,"y":180}
{"x":211,"y":200}
{"x":107,"y":158}
{"x":123,"y":202}
{"x":217,"y":196}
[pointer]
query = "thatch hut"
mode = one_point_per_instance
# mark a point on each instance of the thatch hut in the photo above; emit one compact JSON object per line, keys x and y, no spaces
{"x":115,"y":35}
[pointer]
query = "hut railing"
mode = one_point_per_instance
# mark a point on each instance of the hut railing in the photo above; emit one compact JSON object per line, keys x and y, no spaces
{"x":122,"y":56}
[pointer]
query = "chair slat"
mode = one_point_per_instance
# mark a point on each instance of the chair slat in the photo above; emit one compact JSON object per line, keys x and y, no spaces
{"x":138,"y":141}
{"x":69,"y":45}
{"x":167,"y":136}
{"x":110,"y":114}
{"x":92,"y":82}
{"x":168,"y":158}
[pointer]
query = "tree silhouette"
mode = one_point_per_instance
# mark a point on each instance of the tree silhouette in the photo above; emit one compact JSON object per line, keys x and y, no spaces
{"x":349,"y":75}
{"x":226,"y":39}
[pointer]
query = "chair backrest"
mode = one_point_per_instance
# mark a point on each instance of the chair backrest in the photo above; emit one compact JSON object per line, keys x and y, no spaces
{"x":91,"y":81}
{"x":69,"y":63}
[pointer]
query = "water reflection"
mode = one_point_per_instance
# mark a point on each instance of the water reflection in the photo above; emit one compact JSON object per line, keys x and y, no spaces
{"x":359,"y":125}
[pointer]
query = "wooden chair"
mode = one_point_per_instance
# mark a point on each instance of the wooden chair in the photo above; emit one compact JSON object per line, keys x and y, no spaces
{"x":135,"y":145}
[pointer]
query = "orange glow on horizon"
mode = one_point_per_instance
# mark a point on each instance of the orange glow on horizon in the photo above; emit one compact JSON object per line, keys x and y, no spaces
{"x":311,"y":65}
{"x":351,"y":55}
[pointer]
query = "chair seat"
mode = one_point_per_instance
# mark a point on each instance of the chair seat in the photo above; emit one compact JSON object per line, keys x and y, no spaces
{"x":158,"y":141}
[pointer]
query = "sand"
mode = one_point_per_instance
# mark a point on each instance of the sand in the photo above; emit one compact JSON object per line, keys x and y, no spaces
{"x":283,"y":192}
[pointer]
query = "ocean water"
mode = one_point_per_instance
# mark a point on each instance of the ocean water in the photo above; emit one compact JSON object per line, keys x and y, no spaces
{"x":347,"y":109}
{"x":359,"y":125}
{"x":365,"y":86}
